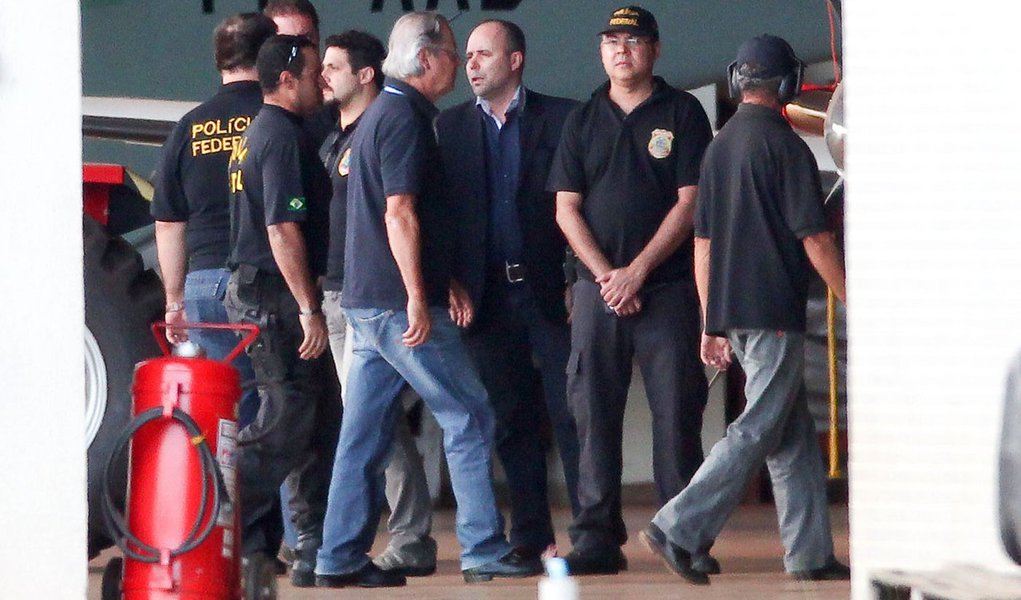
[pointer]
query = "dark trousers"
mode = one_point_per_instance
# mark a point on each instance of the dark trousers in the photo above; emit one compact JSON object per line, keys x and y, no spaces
{"x":664,"y":338}
{"x":288,"y":434}
{"x":511,"y":338}
{"x":308,"y":484}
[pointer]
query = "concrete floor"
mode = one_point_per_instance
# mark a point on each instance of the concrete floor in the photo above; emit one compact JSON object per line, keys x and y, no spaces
{"x":749,"y":551}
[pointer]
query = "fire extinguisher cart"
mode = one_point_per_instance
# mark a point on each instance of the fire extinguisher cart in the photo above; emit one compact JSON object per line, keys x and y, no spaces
{"x":181,"y":531}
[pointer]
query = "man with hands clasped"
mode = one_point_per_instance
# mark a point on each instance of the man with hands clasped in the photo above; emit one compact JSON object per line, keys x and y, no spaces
{"x":626,"y":175}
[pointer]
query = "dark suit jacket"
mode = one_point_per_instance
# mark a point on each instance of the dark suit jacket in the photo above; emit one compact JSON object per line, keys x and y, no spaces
{"x":462,"y":146}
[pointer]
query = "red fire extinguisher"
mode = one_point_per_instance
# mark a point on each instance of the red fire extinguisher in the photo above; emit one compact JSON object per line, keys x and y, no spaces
{"x":181,"y":533}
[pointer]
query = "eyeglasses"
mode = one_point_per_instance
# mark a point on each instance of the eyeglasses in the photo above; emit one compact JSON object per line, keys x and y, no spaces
{"x":630,"y":41}
{"x":454,"y":54}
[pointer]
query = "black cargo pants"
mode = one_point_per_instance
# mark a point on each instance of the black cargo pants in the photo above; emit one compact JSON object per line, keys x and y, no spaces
{"x":664,"y":338}
{"x":295,"y":430}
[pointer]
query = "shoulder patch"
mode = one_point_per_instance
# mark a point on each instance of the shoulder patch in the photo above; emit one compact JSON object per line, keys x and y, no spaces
{"x":661,"y":143}
{"x":297,"y":203}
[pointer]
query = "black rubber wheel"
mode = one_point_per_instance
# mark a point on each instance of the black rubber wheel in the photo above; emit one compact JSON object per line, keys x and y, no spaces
{"x":882,"y":591}
{"x":121,"y":301}
{"x":258,"y":578}
{"x":113,"y":574}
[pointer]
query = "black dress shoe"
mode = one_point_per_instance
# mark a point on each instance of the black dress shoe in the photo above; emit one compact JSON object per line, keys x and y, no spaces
{"x":596,"y":561}
{"x":511,"y":565}
{"x":704,"y":563}
{"x":369,"y":576}
{"x":833,"y":570}
{"x":677,"y":559}
{"x":529,"y":552}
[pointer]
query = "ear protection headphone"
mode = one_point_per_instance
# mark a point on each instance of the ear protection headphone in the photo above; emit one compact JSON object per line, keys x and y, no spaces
{"x":790,"y":85}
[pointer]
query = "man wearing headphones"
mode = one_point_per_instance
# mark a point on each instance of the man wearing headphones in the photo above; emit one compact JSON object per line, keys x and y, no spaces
{"x":759,"y":229}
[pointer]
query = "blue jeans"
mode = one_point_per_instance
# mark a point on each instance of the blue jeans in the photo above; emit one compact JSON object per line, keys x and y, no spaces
{"x":203,"y":303}
{"x":441,"y":372}
{"x":407,"y":490}
{"x":775,"y":428}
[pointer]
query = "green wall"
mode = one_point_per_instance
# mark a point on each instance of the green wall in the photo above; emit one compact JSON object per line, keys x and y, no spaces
{"x":163,"y":48}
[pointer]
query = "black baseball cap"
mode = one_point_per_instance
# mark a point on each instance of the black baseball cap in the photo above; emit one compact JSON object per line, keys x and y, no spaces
{"x":634,"y":20}
{"x":772,"y":54}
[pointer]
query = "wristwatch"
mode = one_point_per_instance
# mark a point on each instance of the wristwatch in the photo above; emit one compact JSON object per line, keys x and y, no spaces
{"x":312,"y":311}
{"x":174,"y":307}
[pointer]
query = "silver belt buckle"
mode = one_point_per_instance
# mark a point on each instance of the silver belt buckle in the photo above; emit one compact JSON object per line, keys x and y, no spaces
{"x":515,"y":273}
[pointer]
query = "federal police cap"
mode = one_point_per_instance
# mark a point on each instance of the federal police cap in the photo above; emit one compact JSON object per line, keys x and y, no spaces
{"x":634,"y":20}
{"x":773,"y":55}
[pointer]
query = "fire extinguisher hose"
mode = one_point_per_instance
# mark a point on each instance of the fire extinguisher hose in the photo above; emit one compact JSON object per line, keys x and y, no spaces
{"x":128,"y":542}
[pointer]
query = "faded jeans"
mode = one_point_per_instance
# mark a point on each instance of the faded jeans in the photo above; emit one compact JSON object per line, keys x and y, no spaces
{"x":441,"y":372}
{"x":407,"y":490}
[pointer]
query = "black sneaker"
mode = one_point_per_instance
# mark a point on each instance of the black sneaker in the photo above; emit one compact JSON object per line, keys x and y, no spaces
{"x":596,"y":561}
{"x":511,"y":565}
{"x":833,"y":570}
{"x":369,"y":576}
{"x":677,"y":559}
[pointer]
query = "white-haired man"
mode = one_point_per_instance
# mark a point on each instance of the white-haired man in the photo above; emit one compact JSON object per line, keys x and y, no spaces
{"x":396,"y":286}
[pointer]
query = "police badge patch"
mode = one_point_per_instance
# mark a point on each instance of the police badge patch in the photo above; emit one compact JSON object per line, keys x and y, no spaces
{"x":661,"y":143}
{"x":344,"y":164}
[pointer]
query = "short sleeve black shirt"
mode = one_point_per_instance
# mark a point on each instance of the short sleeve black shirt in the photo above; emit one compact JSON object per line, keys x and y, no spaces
{"x":759,"y":195}
{"x":276,"y":177}
{"x":336,"y":156}
{"x":629,"y":167}
{"x":191,"y":183}
{"x":394,"y":151}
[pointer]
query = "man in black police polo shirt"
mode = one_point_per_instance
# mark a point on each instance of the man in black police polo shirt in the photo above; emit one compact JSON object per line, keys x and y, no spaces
{"x":278,"y":213}
{"x":760,"y":228}
{"x":190,"y":203}
{"x":626,"y":177}
{"x":396,"y":285}
{"x":353,"y":69}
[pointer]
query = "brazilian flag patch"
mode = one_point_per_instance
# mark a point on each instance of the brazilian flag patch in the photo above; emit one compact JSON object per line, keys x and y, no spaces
{"x":296,"y":203}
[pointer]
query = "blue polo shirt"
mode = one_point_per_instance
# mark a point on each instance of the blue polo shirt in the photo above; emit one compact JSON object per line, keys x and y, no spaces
{"x":394,"y":151}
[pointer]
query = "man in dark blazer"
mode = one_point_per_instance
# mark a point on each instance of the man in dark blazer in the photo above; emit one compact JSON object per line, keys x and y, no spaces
{"x":496,"y":151}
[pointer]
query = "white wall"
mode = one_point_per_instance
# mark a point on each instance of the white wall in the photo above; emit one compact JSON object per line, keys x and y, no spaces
{"x":934,"y":259}
{"x":42,"y":505}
